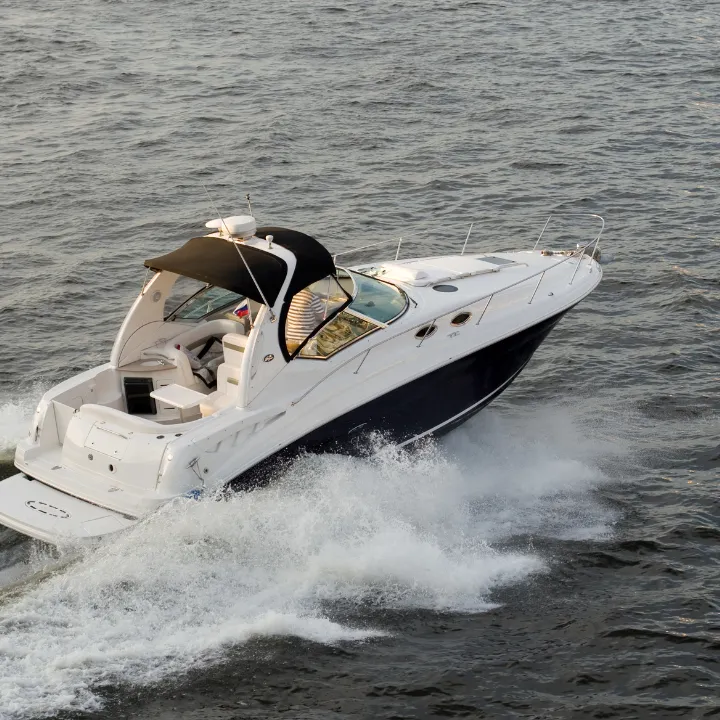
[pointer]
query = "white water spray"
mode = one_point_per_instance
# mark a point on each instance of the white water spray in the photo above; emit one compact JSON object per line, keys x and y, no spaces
{"x":15,"y":417}
{"x":397,"y":530}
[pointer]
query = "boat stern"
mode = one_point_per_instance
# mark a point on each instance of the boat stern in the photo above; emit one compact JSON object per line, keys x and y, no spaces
{"x":109,"y":471}
{"x":32,"y":508}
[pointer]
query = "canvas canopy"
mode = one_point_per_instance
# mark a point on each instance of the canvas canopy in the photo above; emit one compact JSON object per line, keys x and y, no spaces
{"x":216,"y":261}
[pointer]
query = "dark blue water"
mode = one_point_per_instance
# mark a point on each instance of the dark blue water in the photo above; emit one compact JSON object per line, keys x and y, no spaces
{"x":556,"y":557}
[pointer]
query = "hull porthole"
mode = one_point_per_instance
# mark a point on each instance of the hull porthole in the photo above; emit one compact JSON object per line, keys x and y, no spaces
{"x":461,"y":318}
{"x":426,"y":332}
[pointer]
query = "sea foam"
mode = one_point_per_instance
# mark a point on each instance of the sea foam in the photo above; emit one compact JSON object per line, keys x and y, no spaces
{"x":410,"y":529}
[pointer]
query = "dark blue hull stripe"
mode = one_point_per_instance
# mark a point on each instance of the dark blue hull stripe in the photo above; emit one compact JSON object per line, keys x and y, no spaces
{"x":432,"y":404}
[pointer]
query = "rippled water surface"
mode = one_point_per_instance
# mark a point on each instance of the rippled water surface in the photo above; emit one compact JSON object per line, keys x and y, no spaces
{"x":555,"y":557}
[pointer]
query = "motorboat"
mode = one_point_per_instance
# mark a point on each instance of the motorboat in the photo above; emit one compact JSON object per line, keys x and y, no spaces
{"x":249,"y":344}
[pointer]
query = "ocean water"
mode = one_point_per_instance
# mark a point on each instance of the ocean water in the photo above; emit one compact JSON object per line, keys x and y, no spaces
{"x":556,"y":556}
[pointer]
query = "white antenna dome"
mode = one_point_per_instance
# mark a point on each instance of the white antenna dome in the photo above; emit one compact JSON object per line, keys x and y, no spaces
{"x":237,"y":226}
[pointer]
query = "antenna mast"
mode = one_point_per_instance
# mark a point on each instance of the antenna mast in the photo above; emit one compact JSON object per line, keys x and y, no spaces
{"x":467,"y":238}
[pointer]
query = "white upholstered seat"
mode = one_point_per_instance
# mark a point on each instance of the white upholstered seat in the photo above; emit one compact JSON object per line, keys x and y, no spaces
{"x":228,"y":375}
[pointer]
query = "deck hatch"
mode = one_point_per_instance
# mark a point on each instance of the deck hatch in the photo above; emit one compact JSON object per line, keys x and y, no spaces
{"x":497,"y":260}
{"x":108,"y":443}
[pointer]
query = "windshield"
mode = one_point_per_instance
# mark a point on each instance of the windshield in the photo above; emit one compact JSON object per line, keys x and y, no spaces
{"x":374,"y":302}
{"x":206,"y":301}
{"x":340,"y":332}
{"x":376,"y":299}
{"x":311,"y":308}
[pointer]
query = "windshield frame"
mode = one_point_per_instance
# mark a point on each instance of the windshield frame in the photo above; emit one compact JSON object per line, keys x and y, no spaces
{"x":331,"y":316}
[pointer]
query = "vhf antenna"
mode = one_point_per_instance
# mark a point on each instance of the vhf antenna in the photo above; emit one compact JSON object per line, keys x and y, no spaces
{"x":247,"y":197}
{"x":215,"y":210}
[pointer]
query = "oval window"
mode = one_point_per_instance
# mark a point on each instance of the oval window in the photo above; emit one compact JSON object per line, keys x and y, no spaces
{"x":460,"y":318}
{"x":425,"y":332}
{"x":445,"y":288}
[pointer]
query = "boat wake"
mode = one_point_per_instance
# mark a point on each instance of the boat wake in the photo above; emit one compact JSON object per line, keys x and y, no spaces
{"x":15,"y":417}
{"x":440,"y":528}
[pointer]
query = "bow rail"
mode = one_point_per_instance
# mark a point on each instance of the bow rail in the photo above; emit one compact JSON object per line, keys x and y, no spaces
{"x":579,"y":253}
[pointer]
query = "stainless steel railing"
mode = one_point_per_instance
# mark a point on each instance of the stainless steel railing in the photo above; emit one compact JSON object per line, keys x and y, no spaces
{"x":371,"y":245}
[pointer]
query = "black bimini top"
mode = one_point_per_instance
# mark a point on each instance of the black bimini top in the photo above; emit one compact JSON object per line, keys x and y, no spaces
{"x":216,"y":261}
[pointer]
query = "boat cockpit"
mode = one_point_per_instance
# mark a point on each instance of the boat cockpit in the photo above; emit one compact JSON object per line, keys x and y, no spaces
{"x":220,"y":317}
{"x":207,"y":325}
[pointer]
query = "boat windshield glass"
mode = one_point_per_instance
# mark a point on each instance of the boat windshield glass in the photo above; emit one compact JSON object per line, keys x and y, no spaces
{"x":378,"y":300}
{"x":206,"y":301}
{"x":310,"y":308}
{"x":340,"y":332}
{"x":373,"y":303}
